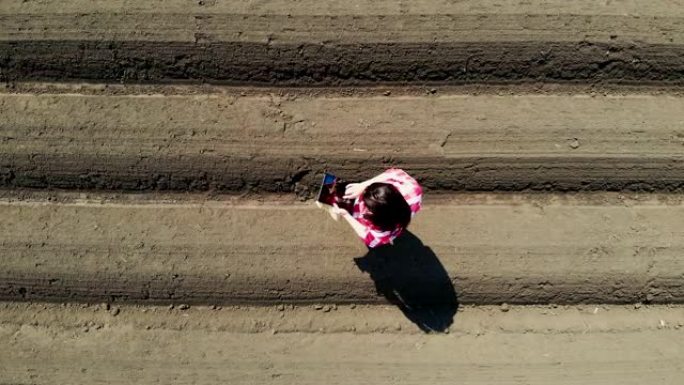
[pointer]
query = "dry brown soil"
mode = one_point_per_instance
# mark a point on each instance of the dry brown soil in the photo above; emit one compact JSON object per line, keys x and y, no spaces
{"x":323,"y":42}
{"x":163,"y":231}
{"x":537,"y":248}
{"x":186,"y":138}
{"x":74,"y":344}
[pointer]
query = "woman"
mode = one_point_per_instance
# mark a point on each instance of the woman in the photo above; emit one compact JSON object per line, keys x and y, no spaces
{"x":383,"y":206}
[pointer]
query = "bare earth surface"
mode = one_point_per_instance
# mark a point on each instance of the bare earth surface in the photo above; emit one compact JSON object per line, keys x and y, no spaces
{"x":538,"y":248}
{"x":53,"y":344}
{"x":158,"y":160}
{"x":325,"y":42}
{"x":174,"y":139}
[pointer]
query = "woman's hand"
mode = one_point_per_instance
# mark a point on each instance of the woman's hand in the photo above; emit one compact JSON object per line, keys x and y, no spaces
{"x":354,"y":190}
{"x":359,"y":229}
{"x":339,"y":211}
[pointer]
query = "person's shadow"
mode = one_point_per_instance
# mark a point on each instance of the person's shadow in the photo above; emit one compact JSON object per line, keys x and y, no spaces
{"x":410,"y":275}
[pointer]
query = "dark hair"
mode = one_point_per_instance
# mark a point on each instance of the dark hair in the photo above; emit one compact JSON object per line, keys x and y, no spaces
{"x":388,"y":208}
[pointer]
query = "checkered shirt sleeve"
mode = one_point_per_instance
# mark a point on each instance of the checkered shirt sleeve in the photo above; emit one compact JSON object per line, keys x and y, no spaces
{"x":407,"y":186}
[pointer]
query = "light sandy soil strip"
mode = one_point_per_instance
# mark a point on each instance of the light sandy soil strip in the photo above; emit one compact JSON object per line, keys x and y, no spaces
{"x":510,"y":248}
{"x":673,"y":8}
{"x":47,"y":344}
{"x":330,"y":22}
{"x":359,"y":319}
{"x":325,"y":42}
{"x":279,"y":143}
{"x":180,"y":89}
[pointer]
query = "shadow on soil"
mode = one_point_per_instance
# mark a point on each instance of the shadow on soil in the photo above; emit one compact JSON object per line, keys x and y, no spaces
{"x":410,"y":275}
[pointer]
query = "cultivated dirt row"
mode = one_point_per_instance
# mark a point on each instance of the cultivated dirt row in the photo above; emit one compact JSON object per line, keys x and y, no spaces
{"x":323,"y":42}
{"x":282,"y":143}
{"x":45,"y":344}
{"x":597,"y":248}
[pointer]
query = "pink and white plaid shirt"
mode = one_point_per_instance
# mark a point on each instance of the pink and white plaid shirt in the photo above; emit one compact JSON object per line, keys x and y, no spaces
{"x":412,"y":193}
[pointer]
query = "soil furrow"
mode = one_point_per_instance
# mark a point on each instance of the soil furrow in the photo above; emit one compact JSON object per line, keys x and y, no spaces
{"x":343,"y":64}
{"x":324,"y":44}
{"x":510,"y":248}
{"x":216,"y":142}
{"x":45,"y":344}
